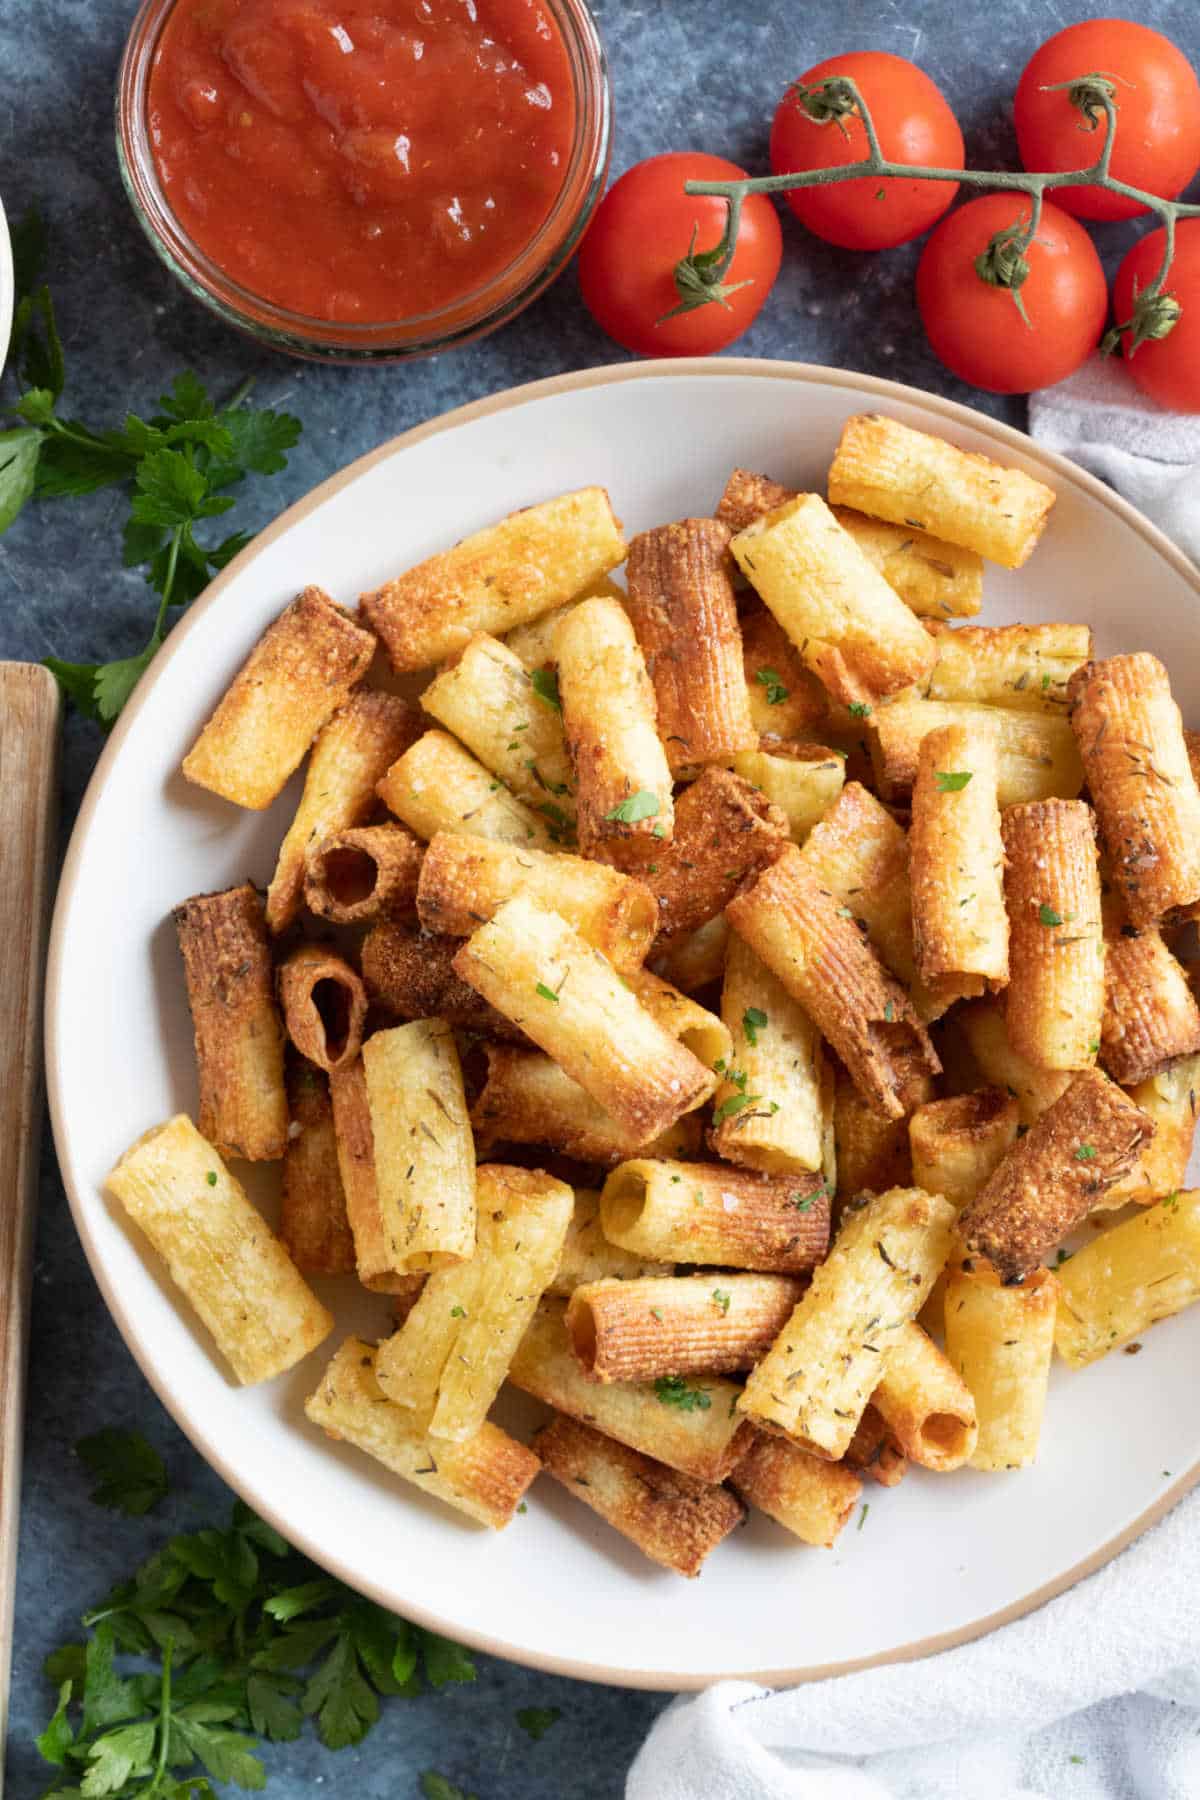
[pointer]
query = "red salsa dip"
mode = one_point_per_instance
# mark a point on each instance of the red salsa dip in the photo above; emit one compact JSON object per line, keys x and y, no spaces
{"x":361,"y":160}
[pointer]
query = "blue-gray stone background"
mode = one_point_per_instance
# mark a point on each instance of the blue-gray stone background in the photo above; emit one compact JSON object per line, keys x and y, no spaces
{"x":699,"y":74}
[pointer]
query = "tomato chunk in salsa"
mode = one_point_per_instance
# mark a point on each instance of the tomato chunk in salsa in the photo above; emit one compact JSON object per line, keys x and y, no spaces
{"x":361,"y":160}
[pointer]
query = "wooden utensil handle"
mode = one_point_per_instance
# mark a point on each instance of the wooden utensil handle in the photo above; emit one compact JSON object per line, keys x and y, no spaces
{"x":29,"y":715}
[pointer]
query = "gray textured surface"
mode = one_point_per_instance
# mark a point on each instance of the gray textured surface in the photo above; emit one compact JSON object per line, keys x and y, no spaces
{"x":699,"y":73}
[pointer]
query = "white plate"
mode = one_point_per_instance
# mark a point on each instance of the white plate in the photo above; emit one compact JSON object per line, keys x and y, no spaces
{"x":940,"y":1559}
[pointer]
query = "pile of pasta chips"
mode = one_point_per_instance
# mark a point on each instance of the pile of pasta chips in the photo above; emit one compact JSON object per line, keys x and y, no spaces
{"x":706,"y":1005}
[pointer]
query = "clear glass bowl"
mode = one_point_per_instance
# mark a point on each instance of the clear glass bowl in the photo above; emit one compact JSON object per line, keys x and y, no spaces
{"x":469,"y":316}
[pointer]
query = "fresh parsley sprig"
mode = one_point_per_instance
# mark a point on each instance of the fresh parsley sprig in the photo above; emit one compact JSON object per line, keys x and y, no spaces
{"x":178,"y":464}
{"x":242,"y":1636}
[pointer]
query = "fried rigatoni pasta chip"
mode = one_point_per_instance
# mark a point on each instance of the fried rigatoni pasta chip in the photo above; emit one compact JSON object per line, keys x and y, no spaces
{"x":324,"y":1006}
{"x":924,"y":1402}
{"x":1026,"y":667}
{"x":534,"y":642}
{"x":812,"y":575}
{"x":355,"y":877}
{"x":301,"y":670}
{"x":802,"y":780}
{"x":690,"y":1325}
{"x":689,"y":1023}
{"x":378,"y":1268}
{"x":1055,"y":1000}
{"x":464,"y":879}
{"x":438,"y":786}
{"x":485,"y":1477}
{"x":814,"y":1382}
{"x":786,"y":700}
{"x":682,"y":605}
{"x":776,"y":1115}
{"x":528,"y":1099}
{"x":956,"y":853}
{"x":936,"y":579}
{"x":509,"y":719}
{"x":696,"y":958}
{"x":872,"y":1450}
{"x":1036,"y":755}
{"x":1125,"y":1279}
{"x":498,"y":578}
{"x":1053,"y":1177}
{"x":892,"y":472}
{"x":872,"y":1152}
{"x":1140,"y":777}
{"x":353,"y":752}
{"x":536,"y":969}
{"x":412,"y":975}
{"x":1171,"y":1101}
{"x":1034,"y":1088}
{"x":424,"y":1153}
{"x":672,"y":1518}
{"x":588,"y":1256}
{"x":610,"y":717}
{"x":789,"y":919}
{"x":808,"y":1496}
{"x":1000,"y":1337}
{"x":1150,"y":1014}
{"x":689,"y":1426}
{"x":313,"y":1225}
{"x":958,"y":1144}
{"x":219,"y":1252}
{"x":448,"y":1360}
{"x":748,"y":496}
{"x":709,"y":1213}
{"x":238,"y":1033}
{"x":725,"y":831}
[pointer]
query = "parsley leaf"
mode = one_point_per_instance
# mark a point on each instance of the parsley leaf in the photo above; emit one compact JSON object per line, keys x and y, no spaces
{"x":19,"y":452}
{"x":545,"y":686}
{"x":635,"y":807}
{"x":547,"y":993}
{"x":754,"y":1020}
{"x":776,"y":692}
{"x":721,"y":1298}
{"x":129,"y":1472}
{"x":444,"y":1661}
{"x":537,"y":1720}
{"x":859,"y":709}
{"x":1085,"y":1152}
{"x":436,"y":1787}
{"x":1047,"y":915}
{"x":57,"y":1738}
{"x":673,"y":1390}
{"x":952,"y":781}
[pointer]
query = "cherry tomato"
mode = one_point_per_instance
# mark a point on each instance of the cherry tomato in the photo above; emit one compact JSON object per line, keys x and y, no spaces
{"x":1168,"y":368}
{"x":977,"y":329}
{"x":643,"y":227}
{"x":913,"y":124}
{"x":1157,"y":142}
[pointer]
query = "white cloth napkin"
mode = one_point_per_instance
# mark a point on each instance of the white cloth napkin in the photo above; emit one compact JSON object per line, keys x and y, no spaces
{"x":1101,"y":420}
{"x":1096,"y":1696}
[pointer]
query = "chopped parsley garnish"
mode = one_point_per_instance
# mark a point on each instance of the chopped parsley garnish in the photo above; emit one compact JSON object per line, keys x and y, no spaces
{"x":951,"y":781}
{"x":1171,"y":1200}
{"x":1048,"y":916}
{"x":1093,"y":1046}
{"x":635,"y":807}
{"x":735,"y":1102}
{"x":721,"y":1298}
{"x":211,"y":1178}
{"x":754,"y":1021}
{"x":545,"y":686}
{"x":862,"y":1517}
{"x":547,"y":993}
{"x":1085,"y":1153}
{"x":656,"y":1313}
{"x":673,"y":1390}
{"x":802,"y":1202}
{"x":889,"y":1012}
{"x":458,"y":1312}
{"x":858,"y":709}
{"x":776,"y":692}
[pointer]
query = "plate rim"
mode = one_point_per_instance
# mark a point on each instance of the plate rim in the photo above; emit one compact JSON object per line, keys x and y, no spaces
{"x":882,"y":389}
